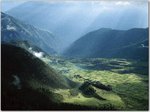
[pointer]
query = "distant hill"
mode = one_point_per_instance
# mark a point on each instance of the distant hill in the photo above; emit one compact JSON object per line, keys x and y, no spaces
{"x":14,"y":30}
{"x":110,"y":43}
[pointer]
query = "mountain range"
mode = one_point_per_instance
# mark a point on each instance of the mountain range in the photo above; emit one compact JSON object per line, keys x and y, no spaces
{"x":101,"y":43}
{"x":14,"y":30}
{"x":71,"y":20}
{"x":110,"y":43}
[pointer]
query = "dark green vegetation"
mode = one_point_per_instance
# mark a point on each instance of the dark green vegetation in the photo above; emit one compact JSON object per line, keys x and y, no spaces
{"x":122,"y":66}
{"x":109,"y":43}
{"x":128,"y":79}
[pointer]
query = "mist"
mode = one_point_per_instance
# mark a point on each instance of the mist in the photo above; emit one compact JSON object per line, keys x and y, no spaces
{"x":70,"y":20}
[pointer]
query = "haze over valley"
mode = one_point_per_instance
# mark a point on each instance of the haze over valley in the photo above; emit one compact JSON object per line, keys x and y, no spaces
{"x":68,"y":21}
{"x":74,"y":55}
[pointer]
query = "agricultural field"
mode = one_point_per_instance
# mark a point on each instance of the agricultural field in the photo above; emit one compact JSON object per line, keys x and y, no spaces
{"x":127,"y":78}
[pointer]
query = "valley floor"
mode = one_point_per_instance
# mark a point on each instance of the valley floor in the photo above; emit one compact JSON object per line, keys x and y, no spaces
{"x":128,"y":79}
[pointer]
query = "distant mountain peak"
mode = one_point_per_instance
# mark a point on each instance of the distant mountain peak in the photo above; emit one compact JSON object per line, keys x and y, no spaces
{"x":15,"y":30}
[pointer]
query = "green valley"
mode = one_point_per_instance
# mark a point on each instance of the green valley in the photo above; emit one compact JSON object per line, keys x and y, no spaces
{"x":129,"y":83}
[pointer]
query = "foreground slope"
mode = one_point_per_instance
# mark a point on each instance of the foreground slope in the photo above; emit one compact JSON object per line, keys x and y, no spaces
{"x":106,"y":43}
{"x":23,"y":76}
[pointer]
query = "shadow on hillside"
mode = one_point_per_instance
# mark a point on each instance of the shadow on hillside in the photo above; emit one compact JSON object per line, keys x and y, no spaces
{"x":137,"y":67}
{"x":133,"y":95}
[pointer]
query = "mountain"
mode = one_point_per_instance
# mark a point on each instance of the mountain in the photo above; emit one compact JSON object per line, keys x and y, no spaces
{"x":26,"y":81}
{"x":24,"y":65}
{"x":71,"y":20}
{"x":13,"y":30}
{"x":110,"y":43}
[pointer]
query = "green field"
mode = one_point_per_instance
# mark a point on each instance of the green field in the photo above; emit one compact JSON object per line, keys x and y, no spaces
{"x":128,"y":79}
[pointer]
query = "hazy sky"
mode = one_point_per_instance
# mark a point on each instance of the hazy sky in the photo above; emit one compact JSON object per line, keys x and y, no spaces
{"x":79,"y":17}
{"x":8,"y":4}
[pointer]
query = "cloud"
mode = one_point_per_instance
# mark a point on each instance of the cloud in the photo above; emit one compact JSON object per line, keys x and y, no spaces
{"x":38,"y":54}
{"x":11,"y":28}
{"x":123,"y":3}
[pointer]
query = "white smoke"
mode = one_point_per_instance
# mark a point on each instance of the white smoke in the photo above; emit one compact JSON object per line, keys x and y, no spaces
{"x":38,"y":54}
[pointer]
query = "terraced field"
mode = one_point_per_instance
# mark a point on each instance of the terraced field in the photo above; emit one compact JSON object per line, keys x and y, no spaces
{"x":128,"y":79}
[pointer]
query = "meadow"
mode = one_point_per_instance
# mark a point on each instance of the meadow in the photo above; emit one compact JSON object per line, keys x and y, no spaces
{"x":128,"y":79}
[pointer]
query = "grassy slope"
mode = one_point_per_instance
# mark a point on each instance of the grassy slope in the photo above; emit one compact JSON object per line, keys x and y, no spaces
{"x":129,"y":81}
{"x":27,"y":82}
